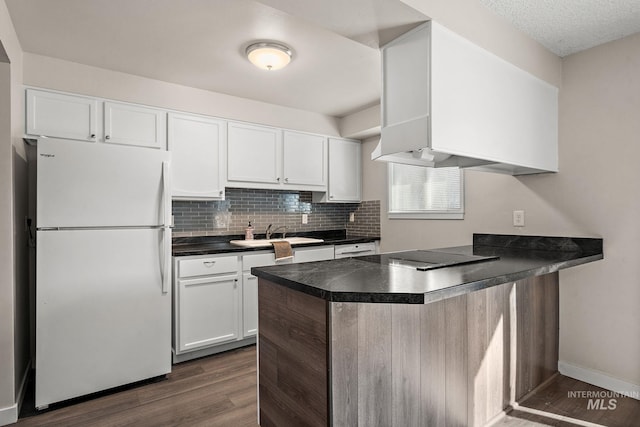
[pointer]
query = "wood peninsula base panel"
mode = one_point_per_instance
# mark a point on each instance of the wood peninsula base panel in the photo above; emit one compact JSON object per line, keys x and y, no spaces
{"x":292,"y":357}
{"x":455,"y":362}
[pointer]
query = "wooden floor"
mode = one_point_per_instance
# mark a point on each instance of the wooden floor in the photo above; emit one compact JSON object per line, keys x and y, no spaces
{"x":555,"y":399}
{"x":214,"y":391}
{"x":220,"y":390}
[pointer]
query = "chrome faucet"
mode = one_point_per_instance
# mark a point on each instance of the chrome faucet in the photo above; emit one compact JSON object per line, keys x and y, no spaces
{"x":270,"y":232}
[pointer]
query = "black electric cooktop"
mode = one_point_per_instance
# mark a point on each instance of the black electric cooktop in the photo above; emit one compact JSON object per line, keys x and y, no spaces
{"x":425,"y":260}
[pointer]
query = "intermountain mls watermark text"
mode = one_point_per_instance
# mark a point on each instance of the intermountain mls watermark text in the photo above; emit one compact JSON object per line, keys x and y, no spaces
{"x":603,"y":399}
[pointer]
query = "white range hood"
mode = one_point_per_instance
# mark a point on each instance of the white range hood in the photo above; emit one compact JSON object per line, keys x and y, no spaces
{"x":447,"y":102}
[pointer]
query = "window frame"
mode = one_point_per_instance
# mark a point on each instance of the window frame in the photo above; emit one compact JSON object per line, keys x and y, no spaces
{"x":456,"y":214}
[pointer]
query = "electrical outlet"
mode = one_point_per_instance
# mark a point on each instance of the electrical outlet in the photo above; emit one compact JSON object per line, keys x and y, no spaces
{"x":518,"y":218}
{"x":305,"y":218}
{"x":352,"y":217}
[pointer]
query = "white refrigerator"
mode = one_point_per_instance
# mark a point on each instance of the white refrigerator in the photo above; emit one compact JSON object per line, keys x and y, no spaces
{"x":103,"y":269}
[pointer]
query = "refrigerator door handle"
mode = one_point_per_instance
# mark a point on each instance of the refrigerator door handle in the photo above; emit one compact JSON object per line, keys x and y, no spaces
{"x":166,"y":194}
{"x":166,"y":240}
{"x":166,"y":258}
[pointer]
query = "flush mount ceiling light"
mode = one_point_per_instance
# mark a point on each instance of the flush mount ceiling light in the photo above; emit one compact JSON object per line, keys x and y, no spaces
{"x":269,"y":55}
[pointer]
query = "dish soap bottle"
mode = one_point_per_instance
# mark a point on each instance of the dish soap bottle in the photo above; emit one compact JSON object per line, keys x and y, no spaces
{"x":248,"y":232}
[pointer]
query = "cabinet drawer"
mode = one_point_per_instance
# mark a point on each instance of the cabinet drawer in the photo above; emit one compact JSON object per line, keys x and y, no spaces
{"x":207,"y":266}
{"x":258,"y":260}
{"x":313,"y":254}
{"x":359,"y":249}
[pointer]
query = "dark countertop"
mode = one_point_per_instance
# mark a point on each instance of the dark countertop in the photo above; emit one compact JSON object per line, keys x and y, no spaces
{"x":357,"y":280}
{"x":208,"y":245}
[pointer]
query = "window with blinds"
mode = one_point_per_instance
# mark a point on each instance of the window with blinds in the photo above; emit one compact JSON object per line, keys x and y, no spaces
{"x":417,"y":192}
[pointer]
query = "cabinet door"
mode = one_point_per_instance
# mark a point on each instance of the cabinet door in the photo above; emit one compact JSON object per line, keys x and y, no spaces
{"x":249,"y":305}
{"x":197,"y":158}
{"x":61,"y":116}
{"x":129,"y":124}
{"x":344,"y":171}
{"x":208,"y":311}
{"x":254,"y":153}
{"x":304,"y":159}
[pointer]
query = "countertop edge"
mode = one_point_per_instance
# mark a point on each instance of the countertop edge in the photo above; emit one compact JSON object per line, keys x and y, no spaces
{"x":235,"y":249}
{"x":466,"y":288}
{"x":428,"y":297}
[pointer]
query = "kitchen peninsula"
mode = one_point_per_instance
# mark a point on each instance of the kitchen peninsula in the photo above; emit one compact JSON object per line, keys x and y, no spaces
{"x":395,"y":340}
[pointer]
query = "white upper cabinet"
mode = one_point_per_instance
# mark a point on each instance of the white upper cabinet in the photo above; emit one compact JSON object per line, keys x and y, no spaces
{"x":345,"y":177}
{"x":345,"y":173}
{"x":254,"y":154}
{"x":304,"y":159}
{"x":264,"y":157}
{"x":61,"y":116}
{"x":130,"y":124}
{"x":197,"y":156}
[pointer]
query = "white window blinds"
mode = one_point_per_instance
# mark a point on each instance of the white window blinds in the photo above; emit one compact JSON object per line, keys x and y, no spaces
{"x":421,"y":192}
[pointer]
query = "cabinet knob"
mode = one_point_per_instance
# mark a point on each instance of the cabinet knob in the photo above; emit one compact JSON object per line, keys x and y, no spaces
{"x":278,"y":179}
{"x":331,"y":197}
{"x":221,"y":192}
{"x":286,"y":180}
{"x":93,"y":135}
{"x":107,"y":137}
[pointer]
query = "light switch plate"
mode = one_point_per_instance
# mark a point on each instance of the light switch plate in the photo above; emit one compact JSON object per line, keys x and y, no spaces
{"x":305,"y":218}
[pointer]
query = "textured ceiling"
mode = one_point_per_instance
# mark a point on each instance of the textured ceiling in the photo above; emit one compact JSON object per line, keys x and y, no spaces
{"x":569,"y":26}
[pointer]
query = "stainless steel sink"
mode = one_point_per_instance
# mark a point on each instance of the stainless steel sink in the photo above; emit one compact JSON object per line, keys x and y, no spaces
{"x":267,"y":242}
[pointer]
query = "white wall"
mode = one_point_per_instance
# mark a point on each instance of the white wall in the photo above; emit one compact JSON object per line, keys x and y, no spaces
{"x":593,"y":195}
{"x":598,"y":190}
{"x":14,"y":352}
{"x":51,"y":73}
{"x":7,"y":389}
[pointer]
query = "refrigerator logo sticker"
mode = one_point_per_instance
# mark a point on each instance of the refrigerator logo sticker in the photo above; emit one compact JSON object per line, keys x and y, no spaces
{"x":47,"y":155}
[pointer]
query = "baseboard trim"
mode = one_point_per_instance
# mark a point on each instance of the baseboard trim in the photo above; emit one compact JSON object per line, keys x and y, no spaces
{"x":555,"y":416}
{"x":9,"y":415}
{"x":195,"y":354}
{"x":599,"y":379}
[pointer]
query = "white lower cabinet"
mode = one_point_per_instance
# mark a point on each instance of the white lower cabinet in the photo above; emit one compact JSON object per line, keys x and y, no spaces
{"x":207,"y":305}
{"x":356,"y":249}
{"x":316,"y":253}
{"x":249,"y":305}
{"x":215,"y":306}
{"x":250,"y":289}
{"x":208,"y":311}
